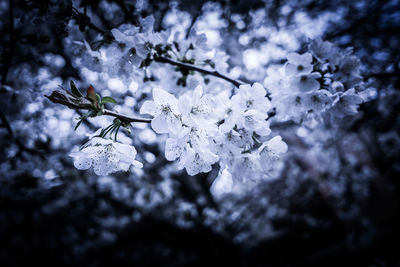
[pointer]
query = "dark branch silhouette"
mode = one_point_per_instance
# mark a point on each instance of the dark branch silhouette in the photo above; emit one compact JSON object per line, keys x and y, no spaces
{"x":195,"y":68}
{"x":67,"y":99}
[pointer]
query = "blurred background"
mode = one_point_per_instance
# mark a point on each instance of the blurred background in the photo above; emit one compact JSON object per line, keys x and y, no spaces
{"x":336,"y":202}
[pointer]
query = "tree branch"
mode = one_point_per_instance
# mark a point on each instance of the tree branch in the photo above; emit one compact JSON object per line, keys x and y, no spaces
{"x":6,"y":124}
{"x":195,"y":17}
{"x":162,"y":59}
{"x":131,"y":17}
{"x":215,"y":73}
{"x":124,"y":117}
{"x":77,"y":103}
{"x":83,"y":19}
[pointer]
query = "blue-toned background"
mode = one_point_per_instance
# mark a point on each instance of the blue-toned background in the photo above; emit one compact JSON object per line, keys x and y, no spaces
{"x":329,"y":207}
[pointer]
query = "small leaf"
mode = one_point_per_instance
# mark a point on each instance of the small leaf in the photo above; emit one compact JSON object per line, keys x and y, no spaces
{"x":98,"y":97}
{"x":75,"y":91}
{"x":108,"y":99}
{"x":128,"y":128}
{"x":90,"y":113}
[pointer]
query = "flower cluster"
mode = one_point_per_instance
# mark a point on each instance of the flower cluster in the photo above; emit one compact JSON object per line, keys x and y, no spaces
{"x":204,"y":130}
{"x":212,"y":124}
{"x":127,"y":58}
{"x":322,"y":84}
{"x":188,"y":121}
{"x":105,"y":156}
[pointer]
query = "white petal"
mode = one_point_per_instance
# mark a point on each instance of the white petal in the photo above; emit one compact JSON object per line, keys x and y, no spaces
{"x":83,"y":163}
{"x":294,"y":58}
{"x":137,"y":164}
{"x":258,"y":90}
{"x":185,"y":104}
{"x":277,"y":145}
{"x":197,"y":93}
{"x":306,"y":58}
{"x":159,"y":124}
{"x":173,"y":149}
{"x":149,"y":107}
{"x":174,"y":124}
{"x":244,"y":87}
{"x":290,"y":69}
{"x":162,"y":97}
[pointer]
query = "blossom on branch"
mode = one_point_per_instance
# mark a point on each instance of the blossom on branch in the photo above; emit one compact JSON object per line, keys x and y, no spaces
{"x":164,"y":108}
{"x":191,"y":148}
{"x":105,"y":156}
{"x":298,"y":64}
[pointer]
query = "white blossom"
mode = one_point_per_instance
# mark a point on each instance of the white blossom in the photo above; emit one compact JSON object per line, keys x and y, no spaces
{"x":197,"y":109}
{"x":191,"y":148}
{"x":306,"y":82}
{"x":223,"y":126}
{"x":254,"y":121}
{"x":251,"y":97}
{"x":247,"y":167}
{"x":317,"y":101}
{"x":225,"y":112}
{"x":105,"y":156}
{"x":346,"y":103}
{"x":271,"y":152}
{"x":230,"y":144}
{"x":322,"y":50}
{"x":164,"y":108}
{"x":298,"y":64}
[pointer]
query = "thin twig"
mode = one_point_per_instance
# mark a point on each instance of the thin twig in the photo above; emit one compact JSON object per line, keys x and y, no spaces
{"x":69,"y":100}
{"x":124,"y":118}
{"x":6,"y":124}
{"x":215,"y":73}
{"x":187,"y":66}
{"x":77,"y":16}
{"x":192,"y":24}
{"x":131,"y":17}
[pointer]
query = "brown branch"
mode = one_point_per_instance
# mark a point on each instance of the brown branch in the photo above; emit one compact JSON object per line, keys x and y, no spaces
{"x":215,"y":73}
{"x":77,"y":103}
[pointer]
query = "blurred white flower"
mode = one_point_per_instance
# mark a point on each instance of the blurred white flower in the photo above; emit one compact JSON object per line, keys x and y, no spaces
{"x":306,"y":82}
{"x":346,"y":103}
{"x":191,"y":148}
{"x":298,"y":64}
{"x":317,"y":101}
{"x":247,"y":167}
{"x":270,"y":154}
{"x":105,"y":156}
{"x":322,"y":50}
